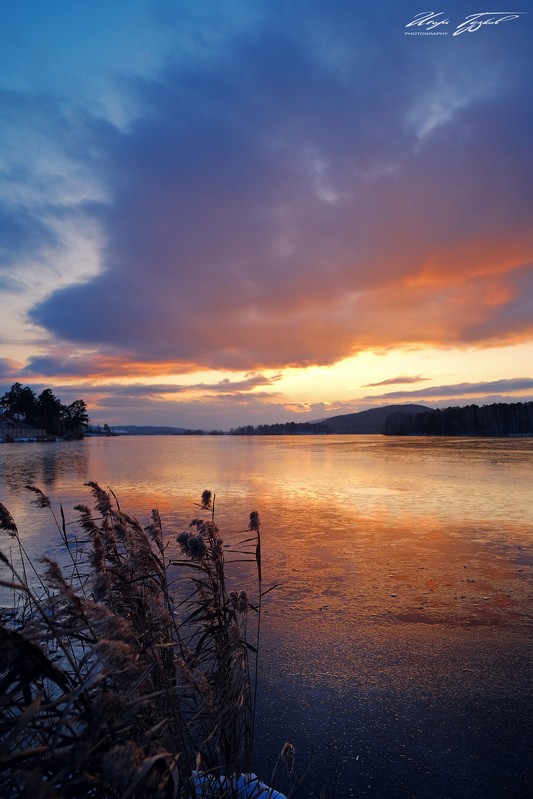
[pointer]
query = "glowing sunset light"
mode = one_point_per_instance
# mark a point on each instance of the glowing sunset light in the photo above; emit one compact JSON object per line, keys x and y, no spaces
{"x":214,"y":216}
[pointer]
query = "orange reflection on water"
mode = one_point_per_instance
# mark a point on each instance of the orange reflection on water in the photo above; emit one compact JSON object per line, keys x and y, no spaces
{"x":366,"y":525}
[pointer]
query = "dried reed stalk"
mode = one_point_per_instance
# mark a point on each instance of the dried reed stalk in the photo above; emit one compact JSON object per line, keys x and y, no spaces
{"x":108,"y":686}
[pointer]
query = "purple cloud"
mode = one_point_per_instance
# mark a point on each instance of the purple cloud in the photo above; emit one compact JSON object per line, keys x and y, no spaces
{"x":314,"y":190}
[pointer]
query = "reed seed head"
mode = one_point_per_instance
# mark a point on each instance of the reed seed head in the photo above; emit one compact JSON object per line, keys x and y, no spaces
{"x":7,"y":521}
{"x":207,"y":498}
{"x":101,"y":497}
{"x":192,"y":545}
{"x":254,"y":521}
{"x":239,"y":601}
{"x":41,"y":499}
{"x":117,"y":656}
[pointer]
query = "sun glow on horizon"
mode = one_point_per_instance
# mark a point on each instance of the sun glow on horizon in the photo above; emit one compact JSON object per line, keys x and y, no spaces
{"x":215,"y":398}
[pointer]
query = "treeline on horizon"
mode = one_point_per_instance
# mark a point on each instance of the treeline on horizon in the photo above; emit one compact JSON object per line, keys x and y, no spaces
{"x":498,"y":419}
{"x":282,"y":429}
{"x":45,"y":411}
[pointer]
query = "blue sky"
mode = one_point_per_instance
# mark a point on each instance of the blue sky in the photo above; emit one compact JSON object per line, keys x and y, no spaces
{"x":214,"y":214}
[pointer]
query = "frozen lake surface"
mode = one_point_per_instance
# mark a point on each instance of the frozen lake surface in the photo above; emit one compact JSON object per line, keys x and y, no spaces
{"x":397,"y":651}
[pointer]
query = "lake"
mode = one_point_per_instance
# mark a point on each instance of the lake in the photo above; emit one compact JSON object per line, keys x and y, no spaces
{"x":397,"y":650}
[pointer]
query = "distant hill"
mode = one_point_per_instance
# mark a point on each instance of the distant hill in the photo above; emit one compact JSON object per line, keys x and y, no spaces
{"x":371,"y":421}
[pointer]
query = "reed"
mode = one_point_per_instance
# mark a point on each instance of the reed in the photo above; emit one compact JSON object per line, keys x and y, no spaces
{"x":133,"y":670}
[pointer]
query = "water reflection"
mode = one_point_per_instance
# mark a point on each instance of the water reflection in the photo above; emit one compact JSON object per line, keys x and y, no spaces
{"x":426,"y":529}
{"x":45,"y":464}
{"x":399,"y":642}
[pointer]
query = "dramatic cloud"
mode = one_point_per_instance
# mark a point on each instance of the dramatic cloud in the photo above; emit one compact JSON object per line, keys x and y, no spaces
{"x":316,"y":185}
{"x":220,"y":388}
{"x":481,"y":389}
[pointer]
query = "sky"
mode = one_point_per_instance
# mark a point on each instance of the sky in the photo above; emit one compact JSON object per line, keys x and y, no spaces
{"x":216,"y":214}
